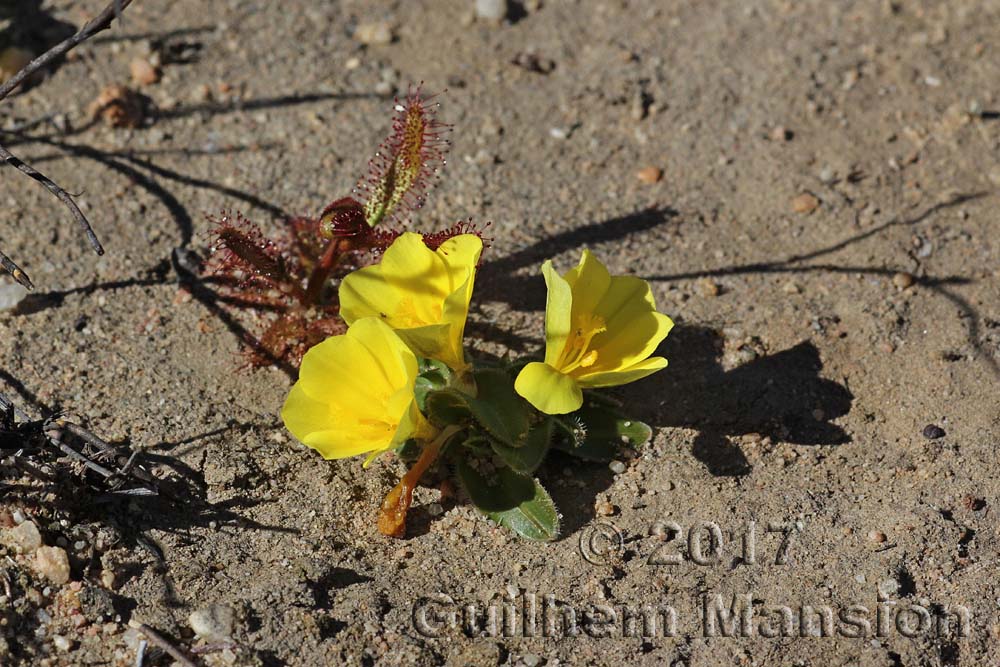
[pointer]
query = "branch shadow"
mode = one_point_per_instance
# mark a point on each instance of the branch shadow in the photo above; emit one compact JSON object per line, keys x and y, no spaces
{"x":33,"y":27}
{"x":238,"y":105}
{"x":498,"y":281}
{"x":159,"y":36}
{"x":176,"y":503}
{"x":938,"y":285}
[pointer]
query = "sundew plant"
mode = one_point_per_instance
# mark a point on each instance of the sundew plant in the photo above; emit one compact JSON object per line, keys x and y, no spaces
{"x":291,"y":280}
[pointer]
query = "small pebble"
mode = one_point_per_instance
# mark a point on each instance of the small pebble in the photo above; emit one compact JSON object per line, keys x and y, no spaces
{"x":435,"y":509}
{"x":24,"y":538}
{"x":888,"y":588}
{"x":491,"y":10}
{"x":378,"y":32}
{"x":143,"y":72}
{"x":781,"y":133}
{"x":119,"y":106}
{"x":530,"y":660}
{"x":903,"y":280}
{"x":876,"y":536}
{"x":61,"y":643}
{"x":617,"y":467}
{"x":604,"y":508}
{"x":13,"y":60}
{"x":933,"y":432}
{"x":11,"y":295}
{"x":973,"y":504}
{"x":805,"y":203}
{"x":53,"y":564}
{"x":213,"y":623}
{"x":649,"y":175}
{"x":708,"y":287}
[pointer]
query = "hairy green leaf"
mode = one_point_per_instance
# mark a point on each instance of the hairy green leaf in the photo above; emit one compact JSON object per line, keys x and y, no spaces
{"x":511,"y":499}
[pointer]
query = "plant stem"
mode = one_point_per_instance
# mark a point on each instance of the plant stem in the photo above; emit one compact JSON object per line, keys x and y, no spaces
{"x":321,"y":272}
{"x":392,"y":513}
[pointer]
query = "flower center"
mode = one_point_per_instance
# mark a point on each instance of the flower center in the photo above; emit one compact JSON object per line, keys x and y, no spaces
{"x":577,"y":352}
{"x":408,"y":316}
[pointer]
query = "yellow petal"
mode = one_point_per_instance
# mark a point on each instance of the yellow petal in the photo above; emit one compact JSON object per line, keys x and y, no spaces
{"x":548,"y":390}
{"x":419,"y":292}
{"x":558,"y":313}
{"x":420,"y":273}
{"x":461,"y":255}
{"x":355,"y":393}
{"x":364,"y":293}
{"x":634,"y":328}
{"x":344,"y":361}
{"x":397,"y":363}
{"x":623,"y":376}
{"x":433,"y":341}
{"x":588,"y":280}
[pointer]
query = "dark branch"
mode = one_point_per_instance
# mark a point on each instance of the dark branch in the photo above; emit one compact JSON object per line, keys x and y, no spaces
{"x":63,"y":196}
{"x":13,"y":269}
{"x":101,"y":22}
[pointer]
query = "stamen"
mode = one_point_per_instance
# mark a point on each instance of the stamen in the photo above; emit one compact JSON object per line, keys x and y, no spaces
{"x":576,"y":352}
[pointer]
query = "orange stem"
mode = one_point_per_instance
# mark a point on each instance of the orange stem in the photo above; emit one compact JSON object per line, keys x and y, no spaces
{"x":392,"y":513}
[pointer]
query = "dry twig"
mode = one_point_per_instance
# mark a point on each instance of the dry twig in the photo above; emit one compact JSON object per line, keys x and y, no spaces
{"x":156,"y":638}
{"x":101,"y":22}
{"x":18,"y":433}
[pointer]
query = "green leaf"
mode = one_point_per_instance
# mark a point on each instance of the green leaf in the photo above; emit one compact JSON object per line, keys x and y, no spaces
{"x":513,"y":500}
{"x":433,"y":375}
{"x":606,"y":433}
{"x":527,"y":458}
{"x":497,"y":407}
{"x":447,"y":406}
{"x":477,"y":442}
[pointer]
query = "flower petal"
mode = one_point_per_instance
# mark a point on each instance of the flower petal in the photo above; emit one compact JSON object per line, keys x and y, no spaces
{"x":616,"y":378}
{"x":432,"y":342}
{"x":548,"y":390}
{"x":341,"y":366}
{"x":558,"y":313}
{"x":355,"y":393}
{"x":589,"y":280}
{"x":419,"y":273}
{"x":461,"y":255}
{"x":364,"y":293}
{"x":634,"y":328}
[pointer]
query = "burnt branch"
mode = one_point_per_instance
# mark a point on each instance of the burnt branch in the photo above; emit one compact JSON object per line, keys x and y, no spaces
{"x":100,"y":22}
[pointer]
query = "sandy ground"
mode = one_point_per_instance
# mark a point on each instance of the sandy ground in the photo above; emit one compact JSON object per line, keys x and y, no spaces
{"x":803,"y":369}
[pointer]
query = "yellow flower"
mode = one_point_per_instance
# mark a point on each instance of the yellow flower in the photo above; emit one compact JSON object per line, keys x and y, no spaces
{"x":421,"y":293}
{"x":599,"y":332}
{"x":354,"y":394}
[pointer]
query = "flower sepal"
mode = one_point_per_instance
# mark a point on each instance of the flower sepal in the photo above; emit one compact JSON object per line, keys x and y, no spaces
{"x":597,"y":431}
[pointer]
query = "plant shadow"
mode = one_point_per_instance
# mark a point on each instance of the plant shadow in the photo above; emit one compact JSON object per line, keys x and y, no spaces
{"x":780,"y":396}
